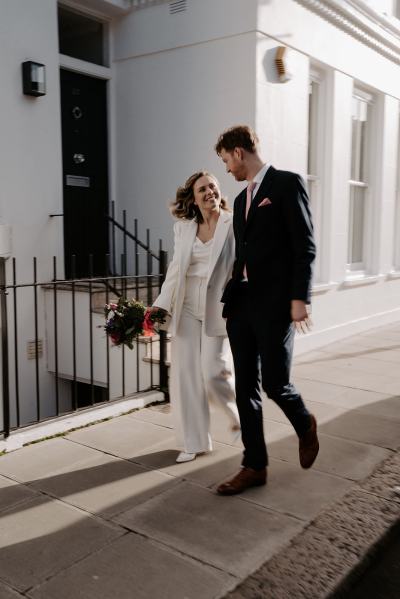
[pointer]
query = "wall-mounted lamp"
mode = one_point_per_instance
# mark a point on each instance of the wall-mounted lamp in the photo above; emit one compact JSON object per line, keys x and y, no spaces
{"x":281,"y":64}
{"x":34,"y":78}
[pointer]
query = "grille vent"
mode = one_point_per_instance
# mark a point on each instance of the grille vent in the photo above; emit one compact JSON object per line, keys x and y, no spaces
{"x":176,"y":6}
{"x":35,"y":349}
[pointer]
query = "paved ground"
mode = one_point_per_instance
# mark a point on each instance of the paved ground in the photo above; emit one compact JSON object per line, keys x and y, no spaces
{"x":105,"y":513}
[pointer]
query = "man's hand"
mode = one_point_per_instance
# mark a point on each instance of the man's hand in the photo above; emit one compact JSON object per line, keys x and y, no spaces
{"x":300,"y":316}
{"x":153,"y":309}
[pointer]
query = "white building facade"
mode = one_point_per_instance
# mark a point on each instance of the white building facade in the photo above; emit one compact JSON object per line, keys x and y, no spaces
{"x":166,"y":77}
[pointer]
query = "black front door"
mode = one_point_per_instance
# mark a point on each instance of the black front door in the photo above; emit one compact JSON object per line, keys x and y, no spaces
{"x":85,"y":165}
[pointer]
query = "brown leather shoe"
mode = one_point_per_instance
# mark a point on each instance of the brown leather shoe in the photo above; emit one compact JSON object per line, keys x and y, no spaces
{"x":244,"y":479}
{"x":309,"y":445}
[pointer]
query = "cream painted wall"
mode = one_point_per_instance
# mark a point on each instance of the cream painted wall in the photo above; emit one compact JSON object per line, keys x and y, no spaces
{"x":185,"y":83}
{"x":30,"y":144}
{"x":288,"y":22}
{"x":154,"y":29}
{"x":281,"y":108}
{"x":170,"y":108}
{"x":31,"y":175}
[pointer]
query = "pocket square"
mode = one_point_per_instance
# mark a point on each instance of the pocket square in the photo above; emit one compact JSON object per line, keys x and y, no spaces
{"x":265,"y":202}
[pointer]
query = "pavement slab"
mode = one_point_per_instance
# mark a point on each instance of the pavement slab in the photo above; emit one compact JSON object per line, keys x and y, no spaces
{"x":160,"y":415}
{"x":9,"y":593}
{"x":49,"y":458}
{"x":226,"y":532}
{"x":385,"y":406}
{"x":346,"y":377}
{"x":106,"y":488}
{"x":42,"y":536}
{"x":313,"y":490}
{"x":359,"y":347}
{"x":338,"y":456}
{"x":318,"y":391}
{"x":134,"y":567}
{"x":366,"y":428}
{"x":12,"y":493}
{"x":325,"y":554}
{"x":381,"y":404}
{"x":125,"y":437}
{"x":324,"y":412}
{"x":205,"y":470}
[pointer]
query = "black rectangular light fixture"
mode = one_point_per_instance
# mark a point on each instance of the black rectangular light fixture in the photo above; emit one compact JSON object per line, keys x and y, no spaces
{"x":34,"y":78}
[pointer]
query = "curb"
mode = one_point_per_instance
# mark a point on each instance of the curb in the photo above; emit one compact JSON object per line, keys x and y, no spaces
{"x":335,"y":548}
{"x":84,"y":417}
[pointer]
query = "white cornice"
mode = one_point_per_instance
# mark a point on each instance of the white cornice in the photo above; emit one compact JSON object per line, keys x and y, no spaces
{"x":361,"y":22}
{"x":379,"y":18}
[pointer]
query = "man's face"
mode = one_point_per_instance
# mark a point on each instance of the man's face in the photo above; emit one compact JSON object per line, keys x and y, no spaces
{"x":234,"y":163}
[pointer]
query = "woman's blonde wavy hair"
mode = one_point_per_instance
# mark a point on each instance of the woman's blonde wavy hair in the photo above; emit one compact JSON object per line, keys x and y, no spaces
{"x":184,"y":207}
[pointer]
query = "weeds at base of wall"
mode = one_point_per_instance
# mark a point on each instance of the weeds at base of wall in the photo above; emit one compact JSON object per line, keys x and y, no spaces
{"x":78,"y":428}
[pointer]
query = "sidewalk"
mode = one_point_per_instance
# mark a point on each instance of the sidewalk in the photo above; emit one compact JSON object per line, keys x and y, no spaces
{"x":105,"y":513}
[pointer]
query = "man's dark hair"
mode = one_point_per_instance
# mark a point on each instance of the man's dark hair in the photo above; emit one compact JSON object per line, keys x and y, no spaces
{"x":240,"y":136}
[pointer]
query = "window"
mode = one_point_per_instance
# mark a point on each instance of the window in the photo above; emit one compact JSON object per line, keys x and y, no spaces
{"x":80,"y":36}
{"x":358,"y":207}
{"x":314,"y":162}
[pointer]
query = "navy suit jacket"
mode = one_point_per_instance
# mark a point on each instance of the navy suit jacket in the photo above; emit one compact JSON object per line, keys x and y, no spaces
{"x":275,"y":242}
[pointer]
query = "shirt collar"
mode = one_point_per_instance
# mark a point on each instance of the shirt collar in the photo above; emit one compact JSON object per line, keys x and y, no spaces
{"x":261,"y":174}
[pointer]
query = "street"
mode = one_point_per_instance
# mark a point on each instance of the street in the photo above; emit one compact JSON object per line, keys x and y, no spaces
{"x":382,"y":579}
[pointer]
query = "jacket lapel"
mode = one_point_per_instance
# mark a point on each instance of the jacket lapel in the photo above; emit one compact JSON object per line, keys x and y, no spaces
{"x":221,"y":232}
{"x":188,"y":237}
{"x":239,"y":211}
{"x":262,"y":193}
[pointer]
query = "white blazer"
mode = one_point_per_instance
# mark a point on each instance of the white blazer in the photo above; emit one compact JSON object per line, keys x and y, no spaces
{"x":219,"y":272}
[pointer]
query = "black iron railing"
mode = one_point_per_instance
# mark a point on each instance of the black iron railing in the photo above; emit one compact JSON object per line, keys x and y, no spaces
{"x":47,"y":380}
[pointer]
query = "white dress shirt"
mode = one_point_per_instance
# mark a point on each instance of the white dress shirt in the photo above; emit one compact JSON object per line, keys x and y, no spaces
{"x":258,"y":178}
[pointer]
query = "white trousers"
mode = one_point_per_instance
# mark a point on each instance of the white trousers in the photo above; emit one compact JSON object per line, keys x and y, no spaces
{"x":201,"y":370}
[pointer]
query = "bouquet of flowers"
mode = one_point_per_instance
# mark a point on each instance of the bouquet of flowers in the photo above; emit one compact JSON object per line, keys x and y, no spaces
{"x":128,"y":318}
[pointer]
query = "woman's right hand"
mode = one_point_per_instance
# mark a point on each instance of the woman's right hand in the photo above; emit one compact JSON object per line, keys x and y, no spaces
{"x":153,"y":309}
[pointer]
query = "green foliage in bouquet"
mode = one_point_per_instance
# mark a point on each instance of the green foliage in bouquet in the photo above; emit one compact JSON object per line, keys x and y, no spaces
{"x":128,"y":318}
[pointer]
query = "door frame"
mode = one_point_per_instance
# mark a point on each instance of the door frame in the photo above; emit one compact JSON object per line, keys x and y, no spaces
{"x":105,"y":73}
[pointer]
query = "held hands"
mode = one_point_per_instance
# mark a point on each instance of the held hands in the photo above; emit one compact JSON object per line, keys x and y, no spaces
{"x":300,"y":316}
{"x":153,"y":309}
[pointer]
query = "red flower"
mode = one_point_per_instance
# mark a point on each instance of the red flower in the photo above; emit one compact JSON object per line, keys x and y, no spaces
{"x":115,"y":338}
{"x":148,"y":325}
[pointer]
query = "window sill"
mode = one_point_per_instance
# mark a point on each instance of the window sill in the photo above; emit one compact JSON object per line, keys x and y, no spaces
{"x":359,"y":280}
{"x":319,"y":288}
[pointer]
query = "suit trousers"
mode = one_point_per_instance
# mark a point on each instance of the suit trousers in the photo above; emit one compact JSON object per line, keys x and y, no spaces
{"x":262,"y":347}
{"x":201,"y":370}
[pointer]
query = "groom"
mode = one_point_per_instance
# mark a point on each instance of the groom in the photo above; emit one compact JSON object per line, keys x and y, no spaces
{"x":266,"y":299}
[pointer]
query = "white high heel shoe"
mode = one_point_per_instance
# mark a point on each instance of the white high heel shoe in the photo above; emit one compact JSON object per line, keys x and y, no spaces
{"x":185,"y":457}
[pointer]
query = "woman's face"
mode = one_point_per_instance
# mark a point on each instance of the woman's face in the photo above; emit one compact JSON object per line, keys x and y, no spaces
{"x":207,"y":195}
